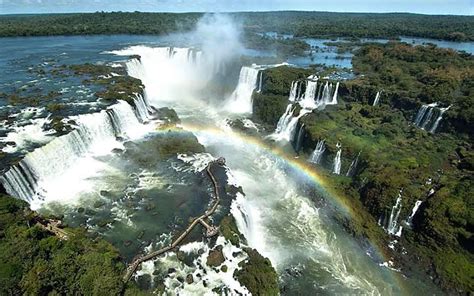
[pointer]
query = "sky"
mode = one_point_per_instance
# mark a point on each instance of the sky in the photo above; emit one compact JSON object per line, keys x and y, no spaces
{"x":463,"y":7}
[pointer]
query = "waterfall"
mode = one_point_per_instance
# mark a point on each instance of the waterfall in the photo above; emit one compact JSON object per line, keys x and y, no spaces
{"x":376,"y":100}
{"x":241,"y":99}
{"x":421,"y":116}
{"x":337,"y":160}
{"x":334,"y":97}
{"x":285,"y":118}
{"x":294,"y":91}
{"x":299,"y":138}
{"x":260,"y":82}
{"x":318,"y":94}
{"x":308,"y":101}
{"x":318,"y":152}
{"x":287,"y":124}
{"x":353,"y":166}
{"x":95,"y":133}
{"x":393,"y":220}
{"x":142,"y":108}
{"x":440,"y":116}
{"x":413,"y":211}
{"x":427,"y":118}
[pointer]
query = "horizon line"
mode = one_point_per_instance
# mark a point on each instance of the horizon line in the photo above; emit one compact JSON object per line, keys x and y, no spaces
{"x":230,"y":12}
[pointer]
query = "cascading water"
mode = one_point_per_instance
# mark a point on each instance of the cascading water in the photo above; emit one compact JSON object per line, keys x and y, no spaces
{"x":96,"y":133}
{"x":413,"y":211}
{"x":286,"y":127}
{"x":318,"y":152}
{"x":424,"y":115}
{"x":318,"y":94}
{"x":260,"y":82}
{"x":310,"y":100}
{"x":241,"y":99}
{"x":440,"y":116}
{"x":376,"y":100}
{"x":337,"y":160}
{"x":142,"y":108}
{"x":299,"y":138}
{"x":392,"y":225}
{"x":353,"y":166}
{"x":294,"y":91}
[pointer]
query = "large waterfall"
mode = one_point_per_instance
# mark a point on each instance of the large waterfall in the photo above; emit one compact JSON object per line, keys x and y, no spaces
{"x":170,"y":72}
{"x":337,"y":160}
{"x":241,"y":99}
{"x":95,"y":134}
{"x":318,"y":152}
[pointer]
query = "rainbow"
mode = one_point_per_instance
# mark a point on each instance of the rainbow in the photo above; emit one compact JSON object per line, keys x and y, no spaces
{"x":321,"y":180}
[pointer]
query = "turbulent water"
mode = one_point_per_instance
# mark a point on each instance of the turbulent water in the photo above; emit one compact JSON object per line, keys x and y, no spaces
{"x":119,"y":188}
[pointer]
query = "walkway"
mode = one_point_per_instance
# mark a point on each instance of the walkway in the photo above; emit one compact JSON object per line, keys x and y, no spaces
{"x":210,"y":230}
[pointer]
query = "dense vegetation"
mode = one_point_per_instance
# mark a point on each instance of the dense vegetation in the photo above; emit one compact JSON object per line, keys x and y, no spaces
{"x":35,"y":262}
{"x":301,"y":24}
{"x":396,"y":155}
{"x":331,"y":24}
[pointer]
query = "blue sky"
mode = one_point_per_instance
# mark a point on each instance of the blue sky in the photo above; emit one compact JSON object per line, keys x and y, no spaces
{"x":464,"y":7}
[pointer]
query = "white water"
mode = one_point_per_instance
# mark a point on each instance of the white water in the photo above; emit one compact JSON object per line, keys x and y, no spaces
{"x":318,"y":94}
{"x":424,"y":117}
{"x":294,"y":91}
{"x":241,"y":99}
{"x":318,"y":152}
{"x":413,"y":211}
{"x":70,"y":159}
{"x":24,"y":135}
{"x":286,"y":127}
{"x":353,"y":165}
{"x":392,"y":225}
{"x":337,"y":160}
{"x":310,"y":100}
{"x":377,"y":98}
{"x":299,"y":138}
{"x":438,"y":120}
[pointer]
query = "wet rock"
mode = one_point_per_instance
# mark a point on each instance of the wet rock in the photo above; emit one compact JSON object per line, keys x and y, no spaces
{"x":117,"y":150}
{"x":99,"y":203}
{"x":224,"y":268}
{"x":236,"y":254}
{"x":201,"y":251}
{"x":105,"y":193}
{"x":216,"y":257}
{"x":171,"y":270}
{"x":189,"y":279}
{"x":180,"y":279}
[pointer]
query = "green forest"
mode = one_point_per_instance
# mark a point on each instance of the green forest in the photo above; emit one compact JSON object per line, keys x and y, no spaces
{"x":300,"y":24}
{"x":396,"y":155}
